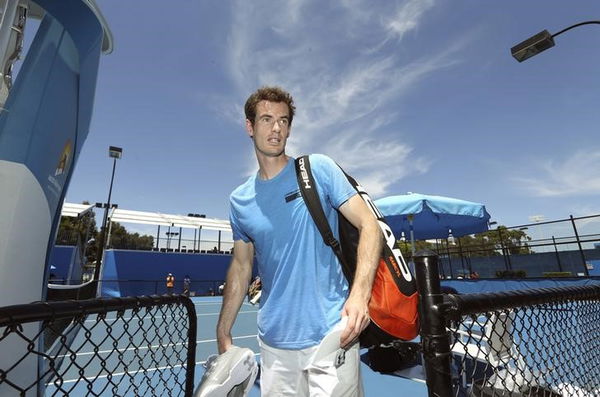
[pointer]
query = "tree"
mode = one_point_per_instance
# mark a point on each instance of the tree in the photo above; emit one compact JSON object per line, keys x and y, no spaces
{"x":494,"y":242}
{"x":405,"y":247}
{"x":73,"y":229}
{"x":79,"y":231}
{"x":121,"y":239}
{"x":490,"y":243}
{"x":84,"y":232}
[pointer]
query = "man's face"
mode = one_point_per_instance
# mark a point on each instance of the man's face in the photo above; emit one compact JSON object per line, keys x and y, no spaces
{"x":271,"y":128}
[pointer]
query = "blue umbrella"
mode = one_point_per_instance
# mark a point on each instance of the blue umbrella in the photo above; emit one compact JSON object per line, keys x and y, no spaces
{"x":423,"y":216}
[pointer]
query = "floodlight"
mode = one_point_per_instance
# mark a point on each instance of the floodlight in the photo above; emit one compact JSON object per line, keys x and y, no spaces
{"x":115,"y":152}
{"x":532,"y":46}
{"x":540,"y":42}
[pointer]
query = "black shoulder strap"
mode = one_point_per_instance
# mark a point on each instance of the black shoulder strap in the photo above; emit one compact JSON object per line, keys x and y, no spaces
{"x":308,"y":190}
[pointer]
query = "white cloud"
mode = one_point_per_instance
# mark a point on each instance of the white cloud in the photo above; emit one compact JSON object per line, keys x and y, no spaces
{"x":575,"y":175}
{"x":348,"y":90}
{"x":373,"y":162}
{"x":407,"y":17}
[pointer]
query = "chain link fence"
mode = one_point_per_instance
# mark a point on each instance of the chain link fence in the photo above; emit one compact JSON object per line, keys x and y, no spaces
{"x":530,"y":349}
{"x":535,"y":342}
{"x":142,"y":346}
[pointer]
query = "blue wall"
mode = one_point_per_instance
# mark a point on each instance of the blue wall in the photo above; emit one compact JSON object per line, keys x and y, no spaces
{"x":144,"y":272}
{"x":496,"y":285}
{"x":68,"y":267}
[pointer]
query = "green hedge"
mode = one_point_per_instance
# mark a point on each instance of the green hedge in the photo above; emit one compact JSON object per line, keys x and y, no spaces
{"x":511,"y":274}
{"x":557,"y":274}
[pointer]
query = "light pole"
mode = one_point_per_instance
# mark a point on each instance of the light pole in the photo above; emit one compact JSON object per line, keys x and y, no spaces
{"x":505,"y":253}
{"x":540,"y":42}
{"x":518,"y":243}
{"x":115,"y":153}
{"x":199,"y":228}
{"x":109,"y":221}
{"x":170,"y":235}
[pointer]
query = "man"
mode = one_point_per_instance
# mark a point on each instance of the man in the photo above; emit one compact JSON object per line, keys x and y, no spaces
{"x":186,"y":285}
{"x":170,"y":283}
{"x":304,"y":292}
{"x":254,"y":291}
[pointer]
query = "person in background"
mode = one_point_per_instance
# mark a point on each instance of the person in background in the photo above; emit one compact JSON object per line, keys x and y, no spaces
{"x":186,"y":285}
{"x":305,"y":295}
{"x":254,"y":291}
{"x":170,"y":283}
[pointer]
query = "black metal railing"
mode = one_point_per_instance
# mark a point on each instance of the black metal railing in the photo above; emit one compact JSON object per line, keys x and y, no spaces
{"x":564,"y":247}
{"x":142,"y":346}
{"x":537,"y":342}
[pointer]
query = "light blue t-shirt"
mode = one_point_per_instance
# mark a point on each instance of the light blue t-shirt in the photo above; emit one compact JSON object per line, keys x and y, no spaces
{"x":303,"y":287}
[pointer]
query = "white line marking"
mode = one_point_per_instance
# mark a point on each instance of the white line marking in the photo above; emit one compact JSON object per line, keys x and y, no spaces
{"x":213,"y":314}
{"x":150,"y":347}
{"x":132,"y":373}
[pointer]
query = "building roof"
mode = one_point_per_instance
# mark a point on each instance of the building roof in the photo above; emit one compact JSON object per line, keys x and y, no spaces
{"x":151,"y":218}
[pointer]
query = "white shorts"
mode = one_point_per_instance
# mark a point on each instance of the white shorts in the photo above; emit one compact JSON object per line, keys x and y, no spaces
{"x":309,"y":373}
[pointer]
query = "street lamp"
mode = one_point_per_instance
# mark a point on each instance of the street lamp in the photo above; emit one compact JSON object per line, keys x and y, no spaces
{"x":540,"y":42}
{"x":114,"y":153}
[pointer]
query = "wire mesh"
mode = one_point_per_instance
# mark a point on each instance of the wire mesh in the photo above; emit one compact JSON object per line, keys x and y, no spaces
{"x":541,"y":349}
{"x":104,"y":347}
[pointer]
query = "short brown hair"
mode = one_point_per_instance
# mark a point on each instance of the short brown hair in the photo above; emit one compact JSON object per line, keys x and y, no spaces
{"x":271,"y":94}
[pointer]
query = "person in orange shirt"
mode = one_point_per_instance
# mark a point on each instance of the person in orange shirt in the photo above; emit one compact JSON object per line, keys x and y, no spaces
{"x":170,"y":283}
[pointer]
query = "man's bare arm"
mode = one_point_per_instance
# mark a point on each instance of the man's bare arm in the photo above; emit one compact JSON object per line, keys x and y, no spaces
{"x":236,"y":287}
{"x":369,"y":249}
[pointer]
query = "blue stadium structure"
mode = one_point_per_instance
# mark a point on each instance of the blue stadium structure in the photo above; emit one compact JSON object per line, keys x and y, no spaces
{"x":44,"y":122}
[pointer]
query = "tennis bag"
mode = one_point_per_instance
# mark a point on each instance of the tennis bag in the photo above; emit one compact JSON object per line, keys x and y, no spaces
{"x":394,"y":299}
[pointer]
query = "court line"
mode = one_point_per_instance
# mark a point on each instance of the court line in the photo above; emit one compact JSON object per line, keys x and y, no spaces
{"x":151,"y":347}
{"x":213,"y":314}
{"x":132,"y":373}
{"x":220,"y":303}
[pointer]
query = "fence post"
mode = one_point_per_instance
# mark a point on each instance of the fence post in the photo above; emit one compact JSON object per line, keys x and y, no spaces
{"x":507,"y":263}
{"x":449,"y":260}
{"x":585,"y":270}
{"x":560,"y":269}
{"x":462,"y":258}
{"x":434,"y":338}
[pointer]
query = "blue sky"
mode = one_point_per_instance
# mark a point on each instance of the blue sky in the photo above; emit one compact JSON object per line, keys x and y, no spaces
{"x":414,"y":95}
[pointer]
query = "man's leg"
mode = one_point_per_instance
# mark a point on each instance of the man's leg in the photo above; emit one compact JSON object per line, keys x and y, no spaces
{"x":282,"y":371}
{"x":336,"y":375}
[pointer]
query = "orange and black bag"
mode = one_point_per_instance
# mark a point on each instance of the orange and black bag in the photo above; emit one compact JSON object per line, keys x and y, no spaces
{"x":393,"y":307}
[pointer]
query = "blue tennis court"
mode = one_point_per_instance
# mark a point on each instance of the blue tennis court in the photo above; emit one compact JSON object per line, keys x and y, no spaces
{"x":115,"y":347}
